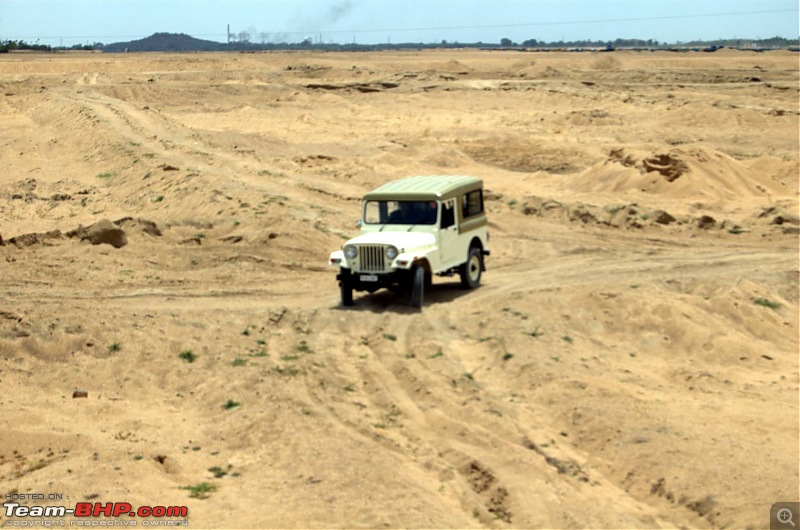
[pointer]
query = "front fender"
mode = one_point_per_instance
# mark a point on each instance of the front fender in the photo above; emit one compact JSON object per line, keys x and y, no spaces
{"x":406,"y":260}
{"x":337,"y":259}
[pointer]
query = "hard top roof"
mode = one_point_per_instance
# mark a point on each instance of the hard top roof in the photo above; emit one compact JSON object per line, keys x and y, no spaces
{"x":422,"y":187}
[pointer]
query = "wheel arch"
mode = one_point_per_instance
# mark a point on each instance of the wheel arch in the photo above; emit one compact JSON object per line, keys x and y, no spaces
{"x":476,"y":243}
{"x":424,"y":263}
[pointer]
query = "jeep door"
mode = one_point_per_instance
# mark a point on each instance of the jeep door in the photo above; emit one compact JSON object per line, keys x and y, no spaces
{"x":448,"y":235}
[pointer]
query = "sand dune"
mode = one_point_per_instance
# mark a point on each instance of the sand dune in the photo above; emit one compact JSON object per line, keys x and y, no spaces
{"x":630,"y":361}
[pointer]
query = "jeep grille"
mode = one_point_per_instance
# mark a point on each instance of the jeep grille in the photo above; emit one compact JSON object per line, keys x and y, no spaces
{"x":371,"y":258}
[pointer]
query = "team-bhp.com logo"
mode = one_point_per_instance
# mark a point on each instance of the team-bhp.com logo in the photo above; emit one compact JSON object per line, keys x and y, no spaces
{"x":92,"y":511}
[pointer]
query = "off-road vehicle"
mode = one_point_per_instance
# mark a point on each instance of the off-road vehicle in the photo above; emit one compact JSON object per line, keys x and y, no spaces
{"x":411,"y":229}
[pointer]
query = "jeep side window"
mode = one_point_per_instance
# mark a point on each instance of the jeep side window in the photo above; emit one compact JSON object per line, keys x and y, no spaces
{"x":472,"y":203}
{"x":448,"y":213}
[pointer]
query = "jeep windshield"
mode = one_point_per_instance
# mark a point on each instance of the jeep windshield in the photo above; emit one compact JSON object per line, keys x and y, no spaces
{"x":400,"y":212}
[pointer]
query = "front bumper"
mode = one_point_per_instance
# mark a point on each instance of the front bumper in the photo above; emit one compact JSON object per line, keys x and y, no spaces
{"x":371,"y":282}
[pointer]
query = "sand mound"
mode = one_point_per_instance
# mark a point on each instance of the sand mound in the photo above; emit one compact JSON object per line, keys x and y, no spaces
{"x":140,"y":225}
{"x":449,"y":67}
{"x":681,"y":172}
{"x":33,"y":238}
{"x":101,"y":232}
{"x":772,"y":220}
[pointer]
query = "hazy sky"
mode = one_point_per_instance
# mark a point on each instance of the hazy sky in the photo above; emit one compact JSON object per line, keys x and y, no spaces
{"x":67,"y":22}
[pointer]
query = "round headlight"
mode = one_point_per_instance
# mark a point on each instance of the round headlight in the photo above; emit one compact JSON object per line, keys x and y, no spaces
{"x":391,"y":252}
{"x":350,"y":251}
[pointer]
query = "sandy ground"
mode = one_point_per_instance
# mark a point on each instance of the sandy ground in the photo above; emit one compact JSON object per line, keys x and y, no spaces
{"x":630,"y":361}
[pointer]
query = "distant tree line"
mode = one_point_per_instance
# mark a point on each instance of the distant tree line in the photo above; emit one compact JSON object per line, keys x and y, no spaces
{"x":179,"y":42}
{"x":774,"y":42}
{"x":11,"y":45}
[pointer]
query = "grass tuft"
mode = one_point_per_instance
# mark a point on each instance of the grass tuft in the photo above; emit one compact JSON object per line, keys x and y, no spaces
{"x":230,"y":404}
{"x":218,"y":472}
{"x":200,"y":491}
{"x":766,"y":302}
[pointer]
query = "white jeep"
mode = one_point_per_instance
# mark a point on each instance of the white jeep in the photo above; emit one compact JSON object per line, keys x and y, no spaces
{"x":411,"y":229}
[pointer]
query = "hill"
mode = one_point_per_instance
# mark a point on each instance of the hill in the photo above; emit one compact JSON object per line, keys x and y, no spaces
{"x":166,"y":42}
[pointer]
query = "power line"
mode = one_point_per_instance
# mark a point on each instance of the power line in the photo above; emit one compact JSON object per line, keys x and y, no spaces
{"x":451,"y":28}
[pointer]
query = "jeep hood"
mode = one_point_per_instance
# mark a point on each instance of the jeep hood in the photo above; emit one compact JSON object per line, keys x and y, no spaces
{"x":404,"y":241}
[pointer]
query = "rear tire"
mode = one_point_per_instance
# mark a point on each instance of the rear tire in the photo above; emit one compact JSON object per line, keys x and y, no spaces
{"x":417,"y":286}
{"x":345,"y":287}
{"x":470,"y":271}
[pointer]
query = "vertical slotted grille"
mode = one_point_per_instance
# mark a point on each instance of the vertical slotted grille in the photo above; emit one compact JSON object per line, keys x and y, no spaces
{"x":372,"y":258}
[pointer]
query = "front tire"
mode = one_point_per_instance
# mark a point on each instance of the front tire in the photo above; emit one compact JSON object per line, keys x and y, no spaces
{"x":470,"y":271}
{"x":346,"y":287}
{"x":417,"y":286}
